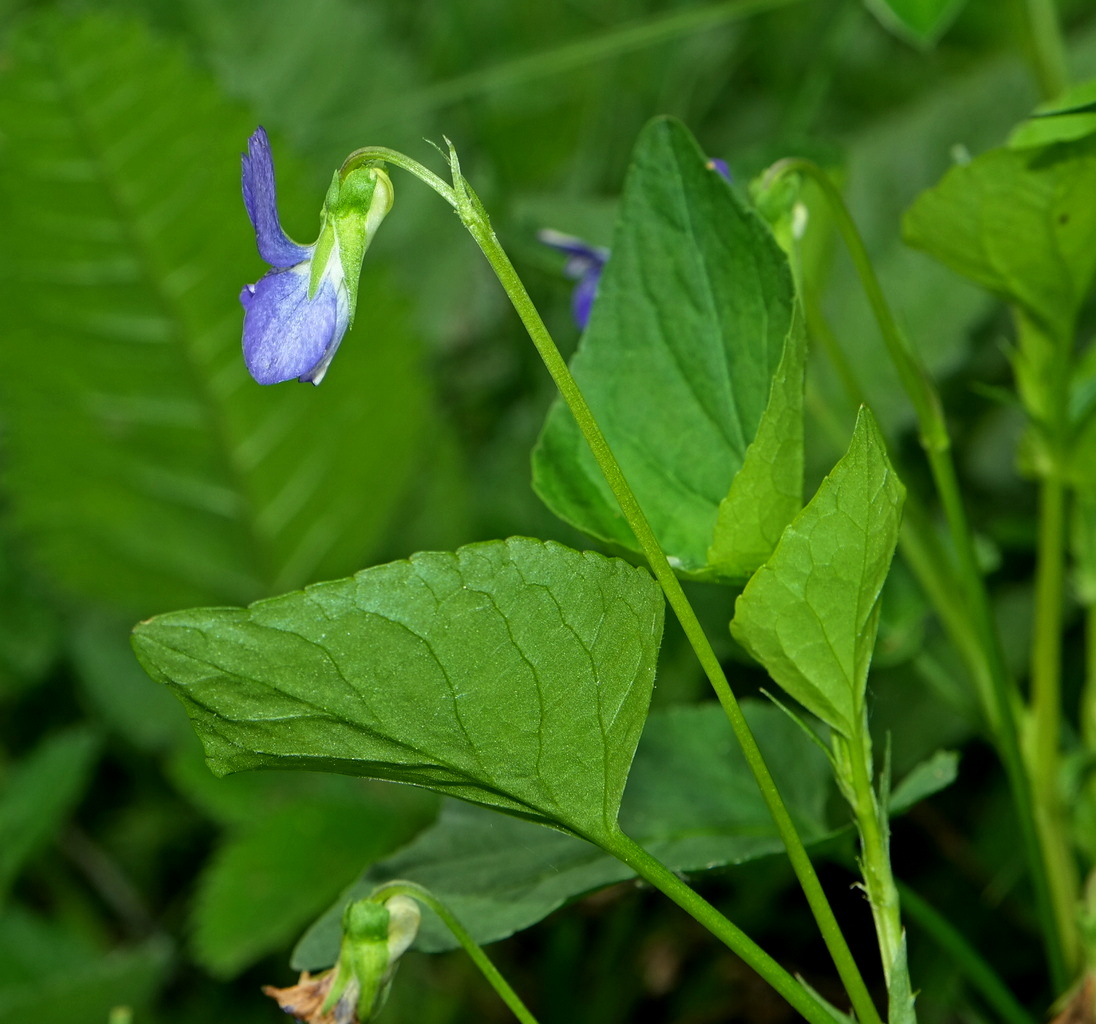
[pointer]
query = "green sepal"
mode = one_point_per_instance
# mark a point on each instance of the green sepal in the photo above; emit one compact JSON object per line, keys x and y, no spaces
{"x":357,"y":201}
{"x":326,"y":242}
{"x":362,"y":971}
{"x":364,"y":198}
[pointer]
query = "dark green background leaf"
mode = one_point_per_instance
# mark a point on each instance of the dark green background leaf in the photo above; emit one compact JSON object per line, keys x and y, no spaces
{"x":511,"y":673}
{"x":693,"y":311}
{"x":691,"y":801}
{"x":39,"y":794}
{"x":50,"y":974}
{"x":271,"y":877}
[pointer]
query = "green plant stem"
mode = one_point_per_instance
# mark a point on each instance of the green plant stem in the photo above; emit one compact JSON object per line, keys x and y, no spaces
{"x":1048,"y":409}
{"x":481,"y":960}
{"x":967,"y":960}
{"x":854,"y":771}
{"x":1047,"y":48}
{"x":662,"y":878}
{"x":1001,"y":712}
{"x":467,"y":204}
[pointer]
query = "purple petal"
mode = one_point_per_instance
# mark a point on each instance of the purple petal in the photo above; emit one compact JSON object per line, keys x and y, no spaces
{"x":582,"y":299}
{"x":260,"y":198}
{"x":285,"y":334}
{"x":720,"y":167}
{"x":579,"y":251}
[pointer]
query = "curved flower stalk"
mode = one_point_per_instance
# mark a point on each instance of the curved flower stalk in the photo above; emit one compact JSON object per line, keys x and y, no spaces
{"x":296,"y":315}
{"x":585,"y":262}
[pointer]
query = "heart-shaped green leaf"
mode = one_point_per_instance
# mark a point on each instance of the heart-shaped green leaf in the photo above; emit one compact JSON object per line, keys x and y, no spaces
{"x":514,"y":674}
{"x":687,"y":336}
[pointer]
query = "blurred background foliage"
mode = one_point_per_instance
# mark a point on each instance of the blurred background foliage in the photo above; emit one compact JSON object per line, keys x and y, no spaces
{"x":142,"y":470}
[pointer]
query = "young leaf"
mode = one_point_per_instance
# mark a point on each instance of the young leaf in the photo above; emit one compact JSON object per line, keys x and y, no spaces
{"x":514,"y":674}
{"x":693,"y":315}
{"x":146,"y":468}
{"x":767,"y":491}
{"x":809,"y":615}
{"x":919,"y":21}
{"x":691,"y":801}
{"x":1020,"y":223}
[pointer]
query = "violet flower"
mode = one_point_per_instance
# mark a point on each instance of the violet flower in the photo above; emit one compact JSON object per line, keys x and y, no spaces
{"x":296,"y":316}
{"x":585,"y":262}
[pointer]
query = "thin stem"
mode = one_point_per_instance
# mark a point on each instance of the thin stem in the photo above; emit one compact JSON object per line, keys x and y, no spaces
{"x":1047,"y":48}
{"x":1044,"y":755}
{"x":662,"y":878}
{"x":854,"y":763}
{"x":967,"y":960}
{"x":481,"y":960}
{"x":1001,"y":712}
{"x":675,"y":595}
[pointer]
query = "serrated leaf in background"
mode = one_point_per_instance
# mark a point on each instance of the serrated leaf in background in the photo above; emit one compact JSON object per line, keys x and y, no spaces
{"x":39,"y":794}
{"x":693,"y":312}
{"x":810,"y":614}
{"x":514,"y":673}
{"x":147,"y":469}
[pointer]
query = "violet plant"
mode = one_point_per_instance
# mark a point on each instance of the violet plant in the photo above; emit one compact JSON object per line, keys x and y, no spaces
{"x":516,"y":674}
{"x":514,"y":677}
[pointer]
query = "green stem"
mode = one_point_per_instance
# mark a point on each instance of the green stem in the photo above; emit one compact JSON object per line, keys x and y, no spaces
{"x":1001,"y":712}
{"x":967,"y":960}
{"x":481,"y":960}
{"x":854,"y":770}
{"x":1047,"y":48}
{"x":1049,"y":412}
{"x":475,"y":219}
{"x":662,"y":878}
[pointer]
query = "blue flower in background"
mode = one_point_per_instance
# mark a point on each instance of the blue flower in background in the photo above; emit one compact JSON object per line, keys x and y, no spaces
{"x":585,"y":262}
{"x":296,"y":316}
{"x":584,"y":265}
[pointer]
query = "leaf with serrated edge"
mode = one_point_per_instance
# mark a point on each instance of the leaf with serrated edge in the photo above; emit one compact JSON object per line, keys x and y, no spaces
{"x":514,"y":674}
{"x":810,"y":614}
